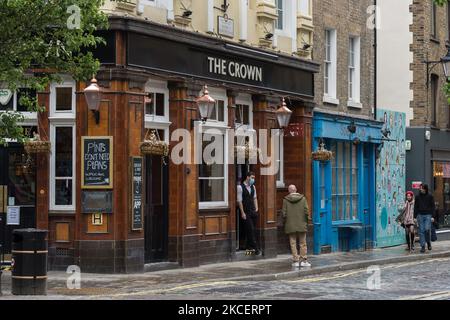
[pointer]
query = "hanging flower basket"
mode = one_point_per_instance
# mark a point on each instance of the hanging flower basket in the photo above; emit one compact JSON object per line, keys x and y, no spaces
{"x":322,"y":154}
{"x":36,"y":145}
{"x":247,"y":150}
{"x":152,"y":145}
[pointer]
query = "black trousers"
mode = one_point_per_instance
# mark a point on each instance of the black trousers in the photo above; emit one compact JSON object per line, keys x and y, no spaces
{"x":250,"y":232}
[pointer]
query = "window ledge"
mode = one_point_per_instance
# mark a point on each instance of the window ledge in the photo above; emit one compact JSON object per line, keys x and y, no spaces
{"x":353,"y":104}
{"x":434,"y":39}
{"x":330,"y":100}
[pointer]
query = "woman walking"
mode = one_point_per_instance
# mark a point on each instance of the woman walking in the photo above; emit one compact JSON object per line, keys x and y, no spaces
{"x":408,"y":220}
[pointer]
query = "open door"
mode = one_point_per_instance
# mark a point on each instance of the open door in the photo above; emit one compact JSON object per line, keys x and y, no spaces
{"x":156,"y":210}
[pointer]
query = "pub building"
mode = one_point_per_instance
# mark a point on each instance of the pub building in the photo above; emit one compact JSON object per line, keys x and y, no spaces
{"x":109,"y":206}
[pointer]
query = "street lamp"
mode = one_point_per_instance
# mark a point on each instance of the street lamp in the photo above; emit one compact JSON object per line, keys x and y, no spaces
{"x":205,"y":105}
{"x":93,"y":95}
{"x":445,"y":62}
{"x":283,"y":115}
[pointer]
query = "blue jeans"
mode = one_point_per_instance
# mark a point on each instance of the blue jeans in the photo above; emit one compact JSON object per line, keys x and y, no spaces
{"x":424,"y":229}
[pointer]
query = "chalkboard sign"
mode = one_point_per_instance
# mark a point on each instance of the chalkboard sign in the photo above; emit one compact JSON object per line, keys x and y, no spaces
{"x":96,"y":162}
{"x":136,"y":201}
{"x":96,"y":202}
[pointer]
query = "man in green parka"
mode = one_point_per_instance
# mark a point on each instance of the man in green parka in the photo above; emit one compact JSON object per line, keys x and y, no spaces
{"x":296,"y":214}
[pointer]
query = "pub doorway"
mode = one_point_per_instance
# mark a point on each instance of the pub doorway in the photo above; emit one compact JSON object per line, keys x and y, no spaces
{"x":17,"y":189}
{"x":156,"y":209}
{"x":241,"y":173}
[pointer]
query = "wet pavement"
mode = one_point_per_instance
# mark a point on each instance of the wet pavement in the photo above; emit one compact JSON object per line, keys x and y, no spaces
{"x":265,"y":279}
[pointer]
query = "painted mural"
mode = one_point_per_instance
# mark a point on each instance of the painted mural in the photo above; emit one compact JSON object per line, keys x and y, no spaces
{"x":390,"y":179}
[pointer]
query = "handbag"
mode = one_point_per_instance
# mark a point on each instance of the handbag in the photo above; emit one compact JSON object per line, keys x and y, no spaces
{"x":401,"y":216}
{"x":433,"y":233}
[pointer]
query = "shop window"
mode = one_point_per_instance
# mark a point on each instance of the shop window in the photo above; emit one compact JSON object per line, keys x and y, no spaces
{"x":62,"y":166}
{"x":63,"y":99}
{"x":243,"y":114}
{"x":441,"y":175}
{"x":218,"y":113}
{"x":212,"y":172}
{"x":345,"y":173}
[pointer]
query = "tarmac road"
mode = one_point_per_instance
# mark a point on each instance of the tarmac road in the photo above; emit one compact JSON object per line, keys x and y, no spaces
{"x":421,"y":280}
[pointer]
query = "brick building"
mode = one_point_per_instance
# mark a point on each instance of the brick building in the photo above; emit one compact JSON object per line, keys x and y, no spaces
{"x":428,"y":159}
{"x":134,"y":208}
{"x":344,"y":187}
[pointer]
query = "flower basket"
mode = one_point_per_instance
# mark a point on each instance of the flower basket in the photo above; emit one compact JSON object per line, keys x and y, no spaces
{"x":322,"y":154}
{"x":36,"y":145}
{"x":153,"y":146}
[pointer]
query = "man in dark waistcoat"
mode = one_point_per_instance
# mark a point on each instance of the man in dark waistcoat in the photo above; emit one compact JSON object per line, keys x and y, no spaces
{"x":248,"y":206}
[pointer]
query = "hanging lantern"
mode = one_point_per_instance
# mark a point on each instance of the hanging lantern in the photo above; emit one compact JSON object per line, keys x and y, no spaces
{"x":283,"y":115}
{"x":205,"y":104}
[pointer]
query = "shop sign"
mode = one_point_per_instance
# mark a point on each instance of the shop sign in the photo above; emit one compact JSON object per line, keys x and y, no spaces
{"x":5,"y":96}
{"x":416,"y":185}
{"x":136,"y":201}
{"x":234,"y":65}
{"x":225,"y":26}
{"x":13,"y":216}
{"x":96,"y":202}
{"x":96,"y":162}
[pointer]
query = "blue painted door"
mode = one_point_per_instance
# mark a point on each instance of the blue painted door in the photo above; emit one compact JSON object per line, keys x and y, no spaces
{"x":323,"y":203}
{"x":368,"y":195}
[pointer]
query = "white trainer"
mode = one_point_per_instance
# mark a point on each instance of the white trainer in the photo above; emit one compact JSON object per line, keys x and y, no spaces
{"x":305,"y":264}
{"x":296,"y":264}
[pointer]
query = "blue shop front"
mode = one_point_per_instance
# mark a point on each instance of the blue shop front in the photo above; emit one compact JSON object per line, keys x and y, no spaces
{"x":344,"y":206}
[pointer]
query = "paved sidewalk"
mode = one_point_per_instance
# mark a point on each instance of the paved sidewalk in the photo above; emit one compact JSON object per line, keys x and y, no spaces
{"x":97,"y":285}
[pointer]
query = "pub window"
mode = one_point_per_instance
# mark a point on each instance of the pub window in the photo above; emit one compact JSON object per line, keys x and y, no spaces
{"x":354,"y":70}
{"x":280,"y":160}
{"x":14,"y":103}
{"x":62,"y":166}
{"x":219,"y":112}
{"x":345,"y":173}
{"x":244,"y":112}
{"x":155,"y":104}
{"x":62,"y":99}
{"x":213,"y":174}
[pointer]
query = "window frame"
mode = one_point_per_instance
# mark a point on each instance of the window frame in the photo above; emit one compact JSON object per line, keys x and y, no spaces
{"x":330,"y":95}
{"x":280,"y":182}
{"x":218,"y":94}
{"x":30,"y":117}
{"x":433,"y":20}
{"x":354,"y":100}
{"x":67,"y":114}
{"x":300,"y":7}
{"x":158,"y":86}
{"x":65,"y":123}
{"x":245,"y":99}
{"x":203,"y":205}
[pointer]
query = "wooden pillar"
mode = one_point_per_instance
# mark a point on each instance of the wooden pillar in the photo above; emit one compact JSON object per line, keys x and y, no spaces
{"x":264,"y":118}
{"x":183,"y":180}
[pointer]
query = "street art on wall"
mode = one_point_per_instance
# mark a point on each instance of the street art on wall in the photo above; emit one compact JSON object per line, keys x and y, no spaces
{"x":390,"y":179}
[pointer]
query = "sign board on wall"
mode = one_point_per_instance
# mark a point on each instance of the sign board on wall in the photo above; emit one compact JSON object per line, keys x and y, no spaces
{"x":136,"y":200}
{"x":416,"y":185}
{"x":13,"y":216}
{"x":96,"y":202}
{"x":225,"y":26}
{"x":97,"y":162}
